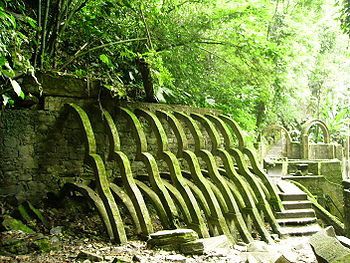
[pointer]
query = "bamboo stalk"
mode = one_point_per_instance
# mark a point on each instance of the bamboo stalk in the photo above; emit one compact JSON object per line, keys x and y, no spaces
{"x":71,"y":14}
{"x":146,"y":27}
{"x":38,"y":34}
{"x":55,"y":37}
{"x":44,"y":33}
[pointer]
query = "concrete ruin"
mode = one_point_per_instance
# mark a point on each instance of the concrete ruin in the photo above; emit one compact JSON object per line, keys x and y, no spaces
{"x":191,"y":165}
{"x":318,"y":165}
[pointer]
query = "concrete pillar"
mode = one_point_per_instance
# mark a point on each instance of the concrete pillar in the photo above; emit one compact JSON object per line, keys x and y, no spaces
{"x":346,"y":195}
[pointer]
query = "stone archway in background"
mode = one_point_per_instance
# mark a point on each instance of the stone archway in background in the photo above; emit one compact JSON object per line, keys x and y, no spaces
{"x":275,"y":127}
{"x":305,"y":135}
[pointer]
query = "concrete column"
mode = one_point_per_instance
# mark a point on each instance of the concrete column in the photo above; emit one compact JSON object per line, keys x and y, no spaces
{"x":346,"y":195}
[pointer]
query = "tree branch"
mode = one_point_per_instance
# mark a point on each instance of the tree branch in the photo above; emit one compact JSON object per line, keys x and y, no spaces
{"x":79,"y":54}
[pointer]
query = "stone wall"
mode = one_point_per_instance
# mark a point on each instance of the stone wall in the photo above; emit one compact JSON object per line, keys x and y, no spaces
{"x":321,"y":151}
{"x":295,"y":151}
{"x":41,"y":149}
{"x":328,"y":194}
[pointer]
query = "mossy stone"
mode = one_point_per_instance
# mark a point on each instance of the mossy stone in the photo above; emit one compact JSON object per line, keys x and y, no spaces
{"x":10,"y":223}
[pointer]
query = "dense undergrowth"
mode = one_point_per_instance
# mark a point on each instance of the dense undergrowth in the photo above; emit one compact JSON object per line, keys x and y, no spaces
{"x":261,"y":61}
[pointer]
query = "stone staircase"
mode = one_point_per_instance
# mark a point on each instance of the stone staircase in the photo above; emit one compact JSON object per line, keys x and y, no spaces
{"x":298,"y":218}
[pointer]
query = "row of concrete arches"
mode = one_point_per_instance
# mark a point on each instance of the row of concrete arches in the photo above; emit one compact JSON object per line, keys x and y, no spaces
{"x":300,"y":149}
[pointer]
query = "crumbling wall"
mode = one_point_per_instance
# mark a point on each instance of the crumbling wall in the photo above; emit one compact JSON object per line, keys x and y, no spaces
{"x":42,"y":148}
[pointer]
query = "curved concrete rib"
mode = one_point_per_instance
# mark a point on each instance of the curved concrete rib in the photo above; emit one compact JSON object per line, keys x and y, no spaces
{"x":209,"y":159}
{"x":100,"y":176}
{"x":253,"y":180}
{"x":107,"y":197}
{"x":212,"y":222}
{"x":263,"y":203}
{"x":119,"y":193}
{"x":175,"y":125}
{"x":236,"y":130}
{"x":197,"y":221}
{"x":87,"y":128}
{"x":96,"y":200}
{"x":214,"y":215}
{"x":150,"y":163}
{"x":275,"y":200}
{"x":152,"y":196}
{"x":127,"y":178}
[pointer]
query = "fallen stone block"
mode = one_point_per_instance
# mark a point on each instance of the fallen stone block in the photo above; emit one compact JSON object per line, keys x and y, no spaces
{"x":186,"y":234}
{"x":327,"y":248}
{"x":90,"y":256}
{"x":192,"y":248}
{"x":205,"y":245}
{"x":176,"y":258}
{"x":171,"y":239}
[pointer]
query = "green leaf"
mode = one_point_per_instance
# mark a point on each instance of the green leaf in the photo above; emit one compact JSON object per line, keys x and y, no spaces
{"x":2,"y":61}
{"x":31,"y":22}
{"x":22,"y":95}
{"x":105,"y":59}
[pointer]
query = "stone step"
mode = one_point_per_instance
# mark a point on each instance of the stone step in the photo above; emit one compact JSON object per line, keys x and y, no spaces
{"x":288,"y":188}
{"x":296,"y":213}
{"x":300,"y":230}
{"x":296,"y":221}
{"x":293,"y":197}
{"x":304,"y":204}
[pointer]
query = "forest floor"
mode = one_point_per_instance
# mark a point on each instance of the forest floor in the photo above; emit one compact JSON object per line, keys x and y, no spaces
{"x":77,"y":236}
{"x":86,"y":250}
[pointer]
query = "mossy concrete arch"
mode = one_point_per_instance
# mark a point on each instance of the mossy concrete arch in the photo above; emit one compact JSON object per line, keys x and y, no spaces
{"x":127,"y":178}
{"x":235,"y":129}
{"x":197,"y":221}
{"x":149,"y":161}
{"x":103,"y":188}
{"x":229,"y":168}
{"x":202,"y":190}
{"x":305,"y":135}
{"x":213,"y":171}
{"x":275,"y":127}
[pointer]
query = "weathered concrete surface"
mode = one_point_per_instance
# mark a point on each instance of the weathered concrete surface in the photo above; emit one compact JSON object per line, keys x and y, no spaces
{"x":327,"y":247}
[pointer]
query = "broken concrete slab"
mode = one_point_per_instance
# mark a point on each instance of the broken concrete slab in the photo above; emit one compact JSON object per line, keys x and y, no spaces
{"x":189,"y":234}
{"x":327,"y":247}
{"x":83,"y":254}
{"x":257,"y":246}
{"x":172,"y":239}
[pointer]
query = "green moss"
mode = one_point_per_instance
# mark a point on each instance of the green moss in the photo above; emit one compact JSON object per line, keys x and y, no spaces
{"x":43,"y":245}
{"x":9,"y":223}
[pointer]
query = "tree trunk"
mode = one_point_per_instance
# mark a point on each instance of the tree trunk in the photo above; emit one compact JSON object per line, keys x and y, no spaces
{"x":146,"y":79}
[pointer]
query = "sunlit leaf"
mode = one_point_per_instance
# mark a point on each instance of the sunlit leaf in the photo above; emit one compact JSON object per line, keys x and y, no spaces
{"x":16,"y":87}
{"x":5,"y":99}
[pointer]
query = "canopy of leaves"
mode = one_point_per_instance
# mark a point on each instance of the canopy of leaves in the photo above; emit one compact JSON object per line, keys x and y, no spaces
{"x":261,"y":61}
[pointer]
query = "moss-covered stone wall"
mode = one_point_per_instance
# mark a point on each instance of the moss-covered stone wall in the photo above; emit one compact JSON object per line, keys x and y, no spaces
{"x":41,"y":149}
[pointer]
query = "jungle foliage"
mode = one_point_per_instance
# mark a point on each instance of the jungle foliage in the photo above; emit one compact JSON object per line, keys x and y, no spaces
{"x":261,"y":61}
